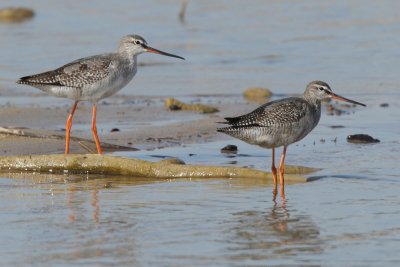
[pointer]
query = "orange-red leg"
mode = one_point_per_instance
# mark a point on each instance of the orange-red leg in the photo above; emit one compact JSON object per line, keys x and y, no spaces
{"x":68,"y":127}
{"x":273,"y":168}
{"x":94,"y":129}
{"x":282,"y":170}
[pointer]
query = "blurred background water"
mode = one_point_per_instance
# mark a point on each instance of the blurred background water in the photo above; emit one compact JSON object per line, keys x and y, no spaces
{"x":349,"y":218}
{"x":229,"y":45}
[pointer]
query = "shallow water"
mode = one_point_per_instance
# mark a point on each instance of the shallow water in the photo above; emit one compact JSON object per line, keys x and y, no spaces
{"x":349,"y":214}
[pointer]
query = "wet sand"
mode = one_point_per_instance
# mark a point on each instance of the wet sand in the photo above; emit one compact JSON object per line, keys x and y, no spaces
{"x":142,"y":123}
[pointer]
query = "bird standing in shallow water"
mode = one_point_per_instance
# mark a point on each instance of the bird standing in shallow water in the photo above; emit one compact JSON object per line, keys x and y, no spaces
{"x":93,"y":78}
{"x":282,"y":122}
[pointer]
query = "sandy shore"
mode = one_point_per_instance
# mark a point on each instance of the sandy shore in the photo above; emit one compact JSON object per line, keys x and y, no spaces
{"x":141,"y":122}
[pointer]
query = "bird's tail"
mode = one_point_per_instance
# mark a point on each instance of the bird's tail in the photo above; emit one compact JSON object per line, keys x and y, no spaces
{"x":228,"y":130}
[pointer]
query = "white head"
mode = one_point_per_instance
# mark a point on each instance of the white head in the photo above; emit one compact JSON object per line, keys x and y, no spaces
{"x":318,"y":91}
{"x":135,"y":45}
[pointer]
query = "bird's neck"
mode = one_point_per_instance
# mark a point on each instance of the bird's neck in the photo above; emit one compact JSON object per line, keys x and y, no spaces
{"x":315,"y":103}
{"x":127,"y":54}
{"x":130,"y":59}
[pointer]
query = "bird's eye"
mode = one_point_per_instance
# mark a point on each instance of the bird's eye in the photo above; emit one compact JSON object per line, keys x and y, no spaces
{"x":321,"y":88}
{"x":137,"y":42}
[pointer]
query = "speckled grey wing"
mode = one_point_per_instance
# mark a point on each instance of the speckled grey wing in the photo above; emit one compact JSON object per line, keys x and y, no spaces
{"x":274,"y":113}
{"x":76,"y":74}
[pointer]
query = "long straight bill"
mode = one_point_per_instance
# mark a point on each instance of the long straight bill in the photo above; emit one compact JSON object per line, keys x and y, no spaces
{"x":156,"y":51}
{"x":341,"y":98}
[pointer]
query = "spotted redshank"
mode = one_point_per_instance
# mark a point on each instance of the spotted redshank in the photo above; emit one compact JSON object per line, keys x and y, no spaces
{"x":282,"y":122}
{"x":93,"y":78}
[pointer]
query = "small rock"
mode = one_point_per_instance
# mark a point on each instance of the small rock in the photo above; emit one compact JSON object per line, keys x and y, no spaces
{"x":257,"y":94}
{"x":15,"y":14}
{"x":361,"y":139}
{"x":336,"y":126}
{"x":384,"y":105}
{"x":174,"y":104}
{"x":114,"y":130}
{"x":230,"y":149}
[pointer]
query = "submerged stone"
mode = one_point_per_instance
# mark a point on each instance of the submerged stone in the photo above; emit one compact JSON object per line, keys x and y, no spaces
{"x":384,"y":105}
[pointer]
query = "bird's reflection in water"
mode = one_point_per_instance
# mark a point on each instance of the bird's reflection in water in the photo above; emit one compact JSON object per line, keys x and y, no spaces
{"x":284,"y":217}
{"x":70,"y":202}
{"x":282,"y":230}
{"x":95,"y":205}
{"x":73,"y":203}
{"x":275,"y":193}
{"x":77,"y":188}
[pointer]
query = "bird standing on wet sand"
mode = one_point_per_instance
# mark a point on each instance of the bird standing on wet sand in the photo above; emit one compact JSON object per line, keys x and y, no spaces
{"x":282,"y":122}
{"x":93,"y":78}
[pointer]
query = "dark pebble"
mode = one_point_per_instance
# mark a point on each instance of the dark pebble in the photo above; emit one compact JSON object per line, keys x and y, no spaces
{"x":107,"y":185}
{"x":114,"y":130}
{"x":105,"y":103}
{"x":174,"y":107}
{"x":336,"y":126}
{"x":361,"y":139}
{"x":384,"y":105}
{"x":229,"y":149}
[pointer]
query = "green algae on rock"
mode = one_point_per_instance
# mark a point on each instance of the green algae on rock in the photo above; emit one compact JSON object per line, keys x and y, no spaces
{"x":112,"y":165}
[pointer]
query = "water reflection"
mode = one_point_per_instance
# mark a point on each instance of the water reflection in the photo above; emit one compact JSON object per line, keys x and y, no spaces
{"x":72,"y":202}
{"x":95,"y":205}
{"x":270,"y":234}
